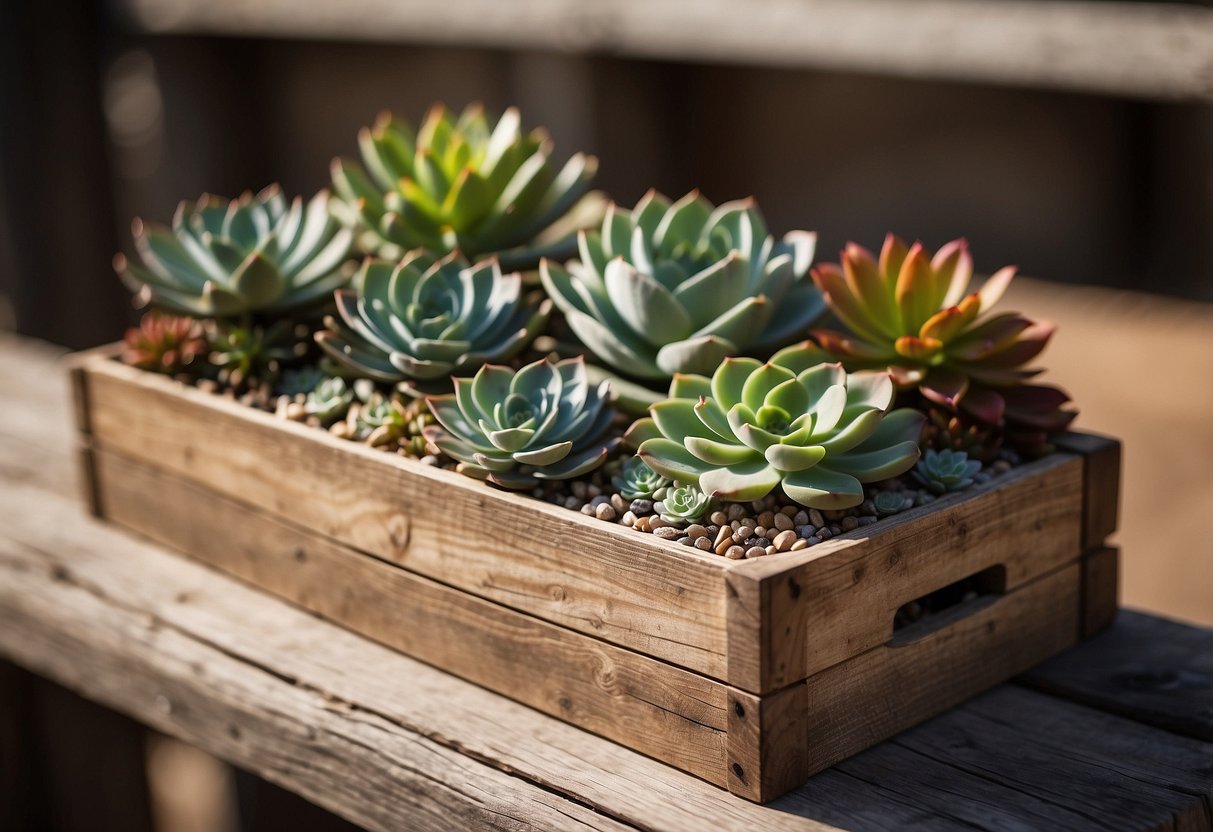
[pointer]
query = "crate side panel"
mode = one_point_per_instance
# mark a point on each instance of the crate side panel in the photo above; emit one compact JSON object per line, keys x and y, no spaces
{"x":838,"y":599}
{"x":660,"y":710}
{"x":657,"y":598}
{"x":867,"y":699}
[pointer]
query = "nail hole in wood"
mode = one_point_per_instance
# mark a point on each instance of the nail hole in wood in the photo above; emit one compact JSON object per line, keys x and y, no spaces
{"x":738,"y":771}
{"x":739,"y":709}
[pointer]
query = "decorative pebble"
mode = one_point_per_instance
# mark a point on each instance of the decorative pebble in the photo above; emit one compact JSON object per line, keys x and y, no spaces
{"x":755,"y":552}
{"x":641,"y":507}
{"x":600,"y":500}
{"x":800,"y":543}
{"x":784,"y":540}
{"x":734,"y":553}
{"x":743,"y":532}
{"x":628,"y":519}
{"x":605,"y":511}
{"x":618,"y":503}
{"x":696,"y":531}
{"x":760,"y":531}
{"x":667,"y":532}
{"x":849,"y":524}
{"x":572,"y":502}
{"x":642,"y":524}
{"x":658,"y":506}
{"x":806,"y":531}
{"x":719,"y":518}
{"x":783,"y":522}
{"x":801,"y":518}
{"x":657,"y":523}
{"x":770,"y":550}
{"x":766,"y":519}
{"x":686,"y":541}
{"x":824,"y":533}
{"x":867,"y":521}
{"x":812,"y":541}
{"x":735,"y":511}
{"x":588,"y":510}
{"x":577,"y":489}
{"x":724,"y":536}
{"x":703,"y":543}
{"x":815,"y":518}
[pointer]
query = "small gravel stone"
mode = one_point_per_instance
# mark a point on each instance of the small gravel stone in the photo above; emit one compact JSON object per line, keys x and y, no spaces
{"x":760,"y":531}
{"x":762,"y":541}
{"x":656,"y":522}
{"x":849,"y":524}
{"x":800,"y":543}
{"x":588,"y":510}
{"x":815,"y":518}
{"x":618,"y":503}
{"x":734,"y":553}
{"x":867,"y":521}
{"x":824,"y":533}
{"x":812,"y":541}
{"x":658,"y":507}
{"x":577,"y":489}
{"x":790,"y":511}
{"x":867,"y":508}
{"x":667,"y":532}
{"x":429,"y":459}
{"x":806,"y":531}
{"x":605,"y":511}
{"x":755,"y":552}
{"x":572,"y":502}
{"x":642,"y":524}
{"x":641,"y":507}
{"x":784,"y":540}
{"x":592,"y":490}
{"x":686,"y":541}
{"x":735,"y":511}
{"x":696,"y":531}
{"x":703,"y":544}
{"x":719,"y":518}
{"x":757,"y":506}
{"x":801,"y":518}
{"x":770,"y":550}
{"x":724,"y":537}
{"x":743,"y":533}
{"x":1000,"y":466}
{"x":766,"y":519}
{"x":628,"y":519}
{"x":783,"y":522}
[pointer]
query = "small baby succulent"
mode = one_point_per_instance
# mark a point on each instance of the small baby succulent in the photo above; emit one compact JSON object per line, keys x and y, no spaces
{"x":299,"y":381}
{"x":637,"y":481}
{"x":164,"y":343}
{"x":330,"y":400}
{"x":419,"y":321}
{"x":944,"y":471}
{"x":914,"y":315}
{"x":684,"y":503}
{"x":891,"y":502}
{"x":459,"y":184}
{"x":957,"y":431}
{"x":519,"y":428}
{"x":674,"y":288}
{"x":227,"y":258}
{"x":813,"y":429}
{"x":244,"y":352}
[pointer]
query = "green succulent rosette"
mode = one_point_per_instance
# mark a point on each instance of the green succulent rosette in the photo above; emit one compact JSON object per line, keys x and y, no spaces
{"x":228,"y":258}
{"x":423,"y":319}
{"x":459,"y":184}
{"x":675,"y":287}
{"x":685,"y":503}
{"x":947,"y":470}
{"x":519,"y":428}
{"x":636,"y":480}
{"x":330,"y":400}
{"x":813,"y":429}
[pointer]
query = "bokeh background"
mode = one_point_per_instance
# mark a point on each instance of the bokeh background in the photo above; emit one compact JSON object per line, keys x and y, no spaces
{"x":1072,"y":138}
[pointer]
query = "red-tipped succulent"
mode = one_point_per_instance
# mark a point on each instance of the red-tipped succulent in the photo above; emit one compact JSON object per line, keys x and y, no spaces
{"x":914,"y":314}
{"x":164,"y":343}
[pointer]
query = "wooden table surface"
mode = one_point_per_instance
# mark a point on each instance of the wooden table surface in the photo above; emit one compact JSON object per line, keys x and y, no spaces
{"x":1116,"y":734}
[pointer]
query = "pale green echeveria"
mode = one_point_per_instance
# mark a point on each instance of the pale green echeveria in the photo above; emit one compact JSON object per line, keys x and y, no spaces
{"x":813,"y":429}
{"x":330,"y":400}
{"x":460,"y":184}
{"x":674,"y":288}
{"x":418,"y":321}
{"x":519,"y":428}
{"x":636,"y":480}
{"x":227,"y":258}
{"x":685,"y":503}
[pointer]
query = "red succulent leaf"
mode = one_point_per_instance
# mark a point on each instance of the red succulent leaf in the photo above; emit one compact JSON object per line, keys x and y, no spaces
{"x":989,"y":337}
{"x":944,"y":387}
{"x":984,"y":404}
{"x":842,"y":347}
{"x":906,"y":376}
{"x":917,"y":349}
{"x":1039,"y":406}
{"x":838,"y":296}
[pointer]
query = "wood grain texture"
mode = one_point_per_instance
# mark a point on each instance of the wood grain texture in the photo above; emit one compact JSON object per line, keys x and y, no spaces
{"x":1100,"y":589}
{"x":1101,"y":456}
{"x":660,"y":599}
{"x":653,"y":707}
{"x":890,"y":688}
{"x":768,"y":742}
{"x":810,"y":610}
{"x":1149,"y":669}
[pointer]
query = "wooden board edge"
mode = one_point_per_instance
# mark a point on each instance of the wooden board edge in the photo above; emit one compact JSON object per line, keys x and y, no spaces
{"x":1101,"y":483}
{"x":1100,"y":589}
{"x":767,"y":742}
{"x":638,"y":701}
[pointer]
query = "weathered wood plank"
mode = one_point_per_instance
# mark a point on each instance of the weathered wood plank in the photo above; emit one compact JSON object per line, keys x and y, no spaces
{"x":858,"y":702}
{"x":354,"y":763}
{"x":813,"y":609}
{"x":1100,"y":589}
{"x":663,"y":600}
{"x":768,"y":742}
{"x":1101,"y":456}
{"x":1148,"y":669}
{"x":654,"y":707}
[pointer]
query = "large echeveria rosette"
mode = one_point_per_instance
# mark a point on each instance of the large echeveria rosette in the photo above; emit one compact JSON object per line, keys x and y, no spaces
{"x":913,"y":314}
{"x":460,"y":183}
{"x":813,"y":429}
{"x":256,"y":254}
{"x":674,"y":288}
{"x":518,"y":429}
{"x":423,"y":319}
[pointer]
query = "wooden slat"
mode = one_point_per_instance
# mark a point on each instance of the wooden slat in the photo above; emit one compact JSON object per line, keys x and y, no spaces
{"x":1146,"y":668}
{"x":813,"y":609}
{"x":854,"y":704}
{"x":653,"y":707}
{"x":663,"y":600}
{"x":1013,"y":759}
{"x":1100,"y":589}
{"x":1101,"y":484}
{"x":768,"y":742}
{"x":1147,"y":49}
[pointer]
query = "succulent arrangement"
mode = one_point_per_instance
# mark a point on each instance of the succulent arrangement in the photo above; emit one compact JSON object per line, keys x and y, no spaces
{"x":758,"y":430}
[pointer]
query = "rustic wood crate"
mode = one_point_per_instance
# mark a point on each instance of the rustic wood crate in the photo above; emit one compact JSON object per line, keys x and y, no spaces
{"x":750,"y":674}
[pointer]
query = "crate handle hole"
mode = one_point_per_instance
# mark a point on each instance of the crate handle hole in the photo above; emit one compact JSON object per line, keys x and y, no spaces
{"x":937,"y":609}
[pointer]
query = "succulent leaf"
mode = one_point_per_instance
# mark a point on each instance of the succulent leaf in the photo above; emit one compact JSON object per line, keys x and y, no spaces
{"x":947,"y":470}
{"x":636,"y":480}
{"x":684,"y":503}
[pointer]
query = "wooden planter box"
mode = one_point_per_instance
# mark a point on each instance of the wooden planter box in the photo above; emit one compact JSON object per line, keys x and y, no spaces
{"x":751,"y":674}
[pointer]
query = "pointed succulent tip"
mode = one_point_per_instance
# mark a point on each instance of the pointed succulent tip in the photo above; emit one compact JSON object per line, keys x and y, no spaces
{"x":119,"y":262}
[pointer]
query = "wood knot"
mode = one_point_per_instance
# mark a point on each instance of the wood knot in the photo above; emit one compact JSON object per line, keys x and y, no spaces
{"x":738,"y":771}
{"x":793,"y":588}
{"x":739,"y":709}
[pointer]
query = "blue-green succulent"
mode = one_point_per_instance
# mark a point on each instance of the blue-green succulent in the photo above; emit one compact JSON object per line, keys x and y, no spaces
{"x":636,"y":480}
{"x":947,"y":470}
